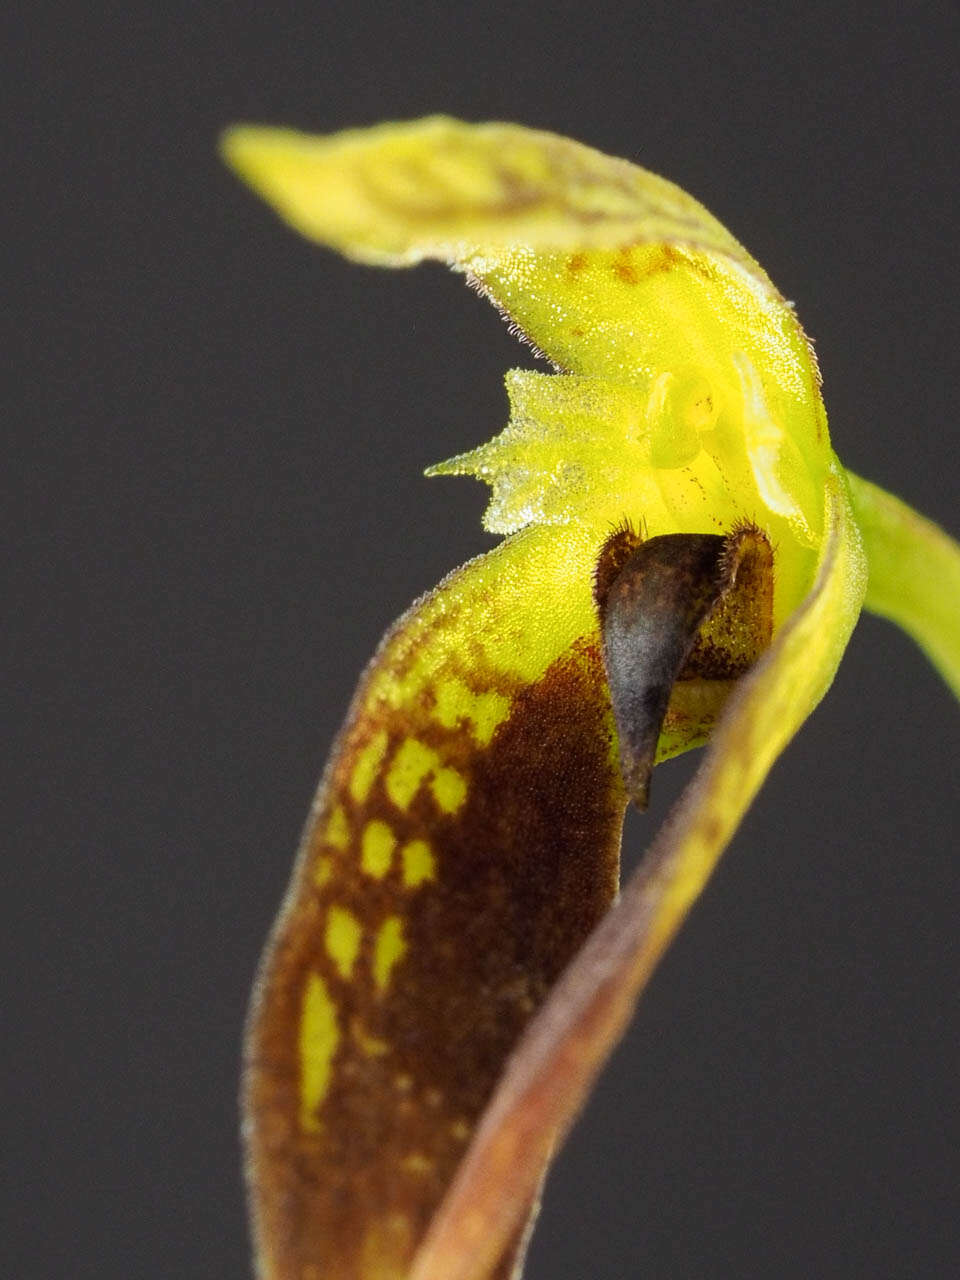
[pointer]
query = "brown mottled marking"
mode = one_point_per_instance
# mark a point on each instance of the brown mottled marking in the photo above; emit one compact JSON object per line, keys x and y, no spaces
{"x":740,"y":627}
{"x":523,"y":870}
{"x":412,"y":1015}
{"x":633,"y":269}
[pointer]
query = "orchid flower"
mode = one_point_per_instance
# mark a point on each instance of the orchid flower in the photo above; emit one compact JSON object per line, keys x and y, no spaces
{"x":683,"y":562}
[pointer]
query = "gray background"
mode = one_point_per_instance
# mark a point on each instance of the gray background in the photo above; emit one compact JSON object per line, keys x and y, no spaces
{"x":216,"y":434}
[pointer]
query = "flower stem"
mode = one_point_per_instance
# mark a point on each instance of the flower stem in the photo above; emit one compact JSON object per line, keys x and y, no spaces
{"x":914,"y":574}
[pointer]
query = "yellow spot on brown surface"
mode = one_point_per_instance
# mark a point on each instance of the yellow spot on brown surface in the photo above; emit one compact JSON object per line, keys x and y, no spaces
{"x":416,"y":1162}
{"x":394,"y":1086}
{"x":367,"y":766}
{"x":369,"y":1044}
{"x":412,"y":763}
{"x":377,"y":848}
{"x":387,"y":1245}
{"x":388,"y":950}
{"x":342,"y":939}
{"x":457,"y":704}
{"x":322,"y":871}
{"x":418,"y":862}
{"x":337,"y":833}
{"x":319,"y":1035}
{"x":449,"y":789}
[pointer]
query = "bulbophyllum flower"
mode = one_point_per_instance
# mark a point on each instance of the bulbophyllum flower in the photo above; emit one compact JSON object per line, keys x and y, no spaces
{"x":684,"y":561}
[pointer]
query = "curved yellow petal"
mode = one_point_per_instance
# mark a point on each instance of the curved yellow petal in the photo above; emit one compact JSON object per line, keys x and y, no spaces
{"x":914,"y":574}
{"x":566,"y":1045}
{"x":396,"y":194}
{"x":693,"y":395}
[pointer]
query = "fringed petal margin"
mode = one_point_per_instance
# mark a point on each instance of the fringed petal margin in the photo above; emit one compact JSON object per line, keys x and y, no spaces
{"x":914,"y":574}
{"x":554,"y":1067}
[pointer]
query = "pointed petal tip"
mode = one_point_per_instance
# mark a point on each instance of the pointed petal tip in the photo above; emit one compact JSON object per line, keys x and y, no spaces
{"x":463,"y":464}
{"x":259,"y":156}
{"x":441,"y":469}
{"x":241,"y":147}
